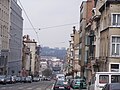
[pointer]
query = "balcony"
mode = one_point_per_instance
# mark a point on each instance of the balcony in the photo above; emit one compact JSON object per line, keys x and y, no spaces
{"x":96,"y":15}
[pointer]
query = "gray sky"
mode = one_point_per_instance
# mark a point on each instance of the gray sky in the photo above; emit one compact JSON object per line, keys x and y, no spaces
{"x":50,"y":13}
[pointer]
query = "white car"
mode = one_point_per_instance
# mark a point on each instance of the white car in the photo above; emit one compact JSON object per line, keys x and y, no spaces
{"x":28,"y":79}
{"x":36,"y":79}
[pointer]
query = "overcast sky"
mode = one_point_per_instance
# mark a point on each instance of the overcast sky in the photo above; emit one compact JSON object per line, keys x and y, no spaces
{"x":51,"y":13}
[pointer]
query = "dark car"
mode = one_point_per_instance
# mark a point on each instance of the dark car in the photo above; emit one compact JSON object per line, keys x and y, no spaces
{"x":112,"y":86}
{"x":61,"y":85}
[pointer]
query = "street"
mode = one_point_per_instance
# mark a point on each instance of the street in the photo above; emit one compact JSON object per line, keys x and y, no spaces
{"x":42,"y":85}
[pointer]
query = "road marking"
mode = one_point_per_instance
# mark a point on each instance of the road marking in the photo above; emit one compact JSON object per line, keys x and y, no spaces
{"x":5,"y":88}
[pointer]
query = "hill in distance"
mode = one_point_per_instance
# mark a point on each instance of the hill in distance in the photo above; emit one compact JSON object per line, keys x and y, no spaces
{"x":55,"y":52}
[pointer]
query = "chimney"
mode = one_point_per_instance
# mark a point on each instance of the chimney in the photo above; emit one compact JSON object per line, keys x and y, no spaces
{"x":74,"y":29}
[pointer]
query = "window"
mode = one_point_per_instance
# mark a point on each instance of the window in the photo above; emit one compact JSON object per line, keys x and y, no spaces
{"x":87,"y":40}
{"x":115,"y":78}
{"x":103,"y":79}
{"x":114,"y":67}
{"x":115,"y":46}
{"x":116,"y":19}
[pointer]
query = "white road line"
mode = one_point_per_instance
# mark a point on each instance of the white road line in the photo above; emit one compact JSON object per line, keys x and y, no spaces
{"x":5,"y":88}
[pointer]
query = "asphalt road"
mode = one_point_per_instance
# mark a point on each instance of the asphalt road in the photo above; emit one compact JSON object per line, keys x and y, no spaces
{"x":42,"y":85}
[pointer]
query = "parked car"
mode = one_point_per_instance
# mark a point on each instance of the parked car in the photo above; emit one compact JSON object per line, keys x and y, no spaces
{"x":75,"y":84}
{"x":8,"y":79}
{"x":61,"y":85}
{"x":11,"y":79}
{"x":18,"y":79}
{"x":112,"y":86}
{"x":83,"y":84}
{"x":28,"y":79}
{"x":2,"y":79}
{"x":23,"y":79}
{"x":47,"y":78}
{"x":78,"y":84}
{"x":70,"y":82}
{"x":36,"y":79}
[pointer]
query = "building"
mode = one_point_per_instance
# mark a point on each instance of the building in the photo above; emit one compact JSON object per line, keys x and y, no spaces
{"x":86,"y":47}
{"x":83,"y":16}
{"x":26,"y":60}
{"x":57,"y":66}
{"x":109,"y":36}
{"x":37,"y":60}
{"x":94,"y":33}
{"x":105,"y":30}
{"x":43,"y":65}
{"x":72,"y":67}
{"x":32,"y":44}
{"x":69,"y":58}
{"x":75,"y":40}
{"x":15,"y":40}
{"x":4,"y":35}
{"x":103,"y":34}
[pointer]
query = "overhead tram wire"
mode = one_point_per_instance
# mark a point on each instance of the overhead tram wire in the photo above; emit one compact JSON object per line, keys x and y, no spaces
{"x":57,"y":26}
{"x":29,"y":21}
{"x":49,"y":27}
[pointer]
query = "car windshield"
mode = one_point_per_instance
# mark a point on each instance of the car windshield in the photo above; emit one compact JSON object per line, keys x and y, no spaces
{"x":59,"y":82}
{"x":79,"y":80}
